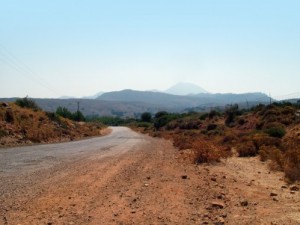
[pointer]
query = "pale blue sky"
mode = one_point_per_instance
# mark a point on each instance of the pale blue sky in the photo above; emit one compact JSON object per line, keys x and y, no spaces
{"x":51,"y":48}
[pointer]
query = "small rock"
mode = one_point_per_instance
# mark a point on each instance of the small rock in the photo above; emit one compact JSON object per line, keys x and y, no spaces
{"x":146,"y":185}
{"x":273,"y":194}
{"x":206,"y":215}
{"x":213,"y":179}
{"x":218,"y":205}
{"x":133,"y":211}
{"x":283,"y":187}
{"x":244,"y":203}
{"x":148,"y":178}
{"x":292,"y":192}
{"x":275,"y":199}
{"x":220,"y":220}
{"x":184,"y":177}
{"x":294,"y":188}
{"x":224,"y":215}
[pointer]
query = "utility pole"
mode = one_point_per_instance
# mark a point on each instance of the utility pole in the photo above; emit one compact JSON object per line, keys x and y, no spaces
{"x":78,"y":104}
{"x":270,"y":98}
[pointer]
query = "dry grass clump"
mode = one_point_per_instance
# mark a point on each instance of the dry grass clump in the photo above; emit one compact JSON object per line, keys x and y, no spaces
{"x":291,"y":165}
{"x":247,"y":149}
{"x":205,"y":152}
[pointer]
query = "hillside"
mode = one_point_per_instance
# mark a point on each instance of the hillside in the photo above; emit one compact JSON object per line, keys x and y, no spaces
{"x":179,"y":102}
{"x":20,"y":126}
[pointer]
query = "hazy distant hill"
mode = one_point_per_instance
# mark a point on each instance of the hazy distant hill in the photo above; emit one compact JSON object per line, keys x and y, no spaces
{"x":185,"y":89}
{"x":130,"y":103}
{"x":159,"y":99}
{"x":177,"y":102}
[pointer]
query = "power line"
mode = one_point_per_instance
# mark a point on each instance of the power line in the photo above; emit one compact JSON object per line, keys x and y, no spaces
{"x":15,"y":63}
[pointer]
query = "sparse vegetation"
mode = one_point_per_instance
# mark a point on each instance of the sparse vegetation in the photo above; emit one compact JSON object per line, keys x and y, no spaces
{"x":64,"y":112}
{"x":23,"y":125}
{"x":27,"y":103}
{"x":262,"y":130}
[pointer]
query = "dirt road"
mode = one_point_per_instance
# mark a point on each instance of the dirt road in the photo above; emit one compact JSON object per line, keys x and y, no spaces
{"x":129,"y":178}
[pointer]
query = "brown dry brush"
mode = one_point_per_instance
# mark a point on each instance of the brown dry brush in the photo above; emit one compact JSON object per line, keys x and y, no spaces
{"x":291,"y":165}
{"x":205,"y":152}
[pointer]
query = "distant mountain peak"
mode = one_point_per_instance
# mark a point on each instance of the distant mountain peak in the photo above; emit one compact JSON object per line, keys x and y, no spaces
{"x":183,"y":88}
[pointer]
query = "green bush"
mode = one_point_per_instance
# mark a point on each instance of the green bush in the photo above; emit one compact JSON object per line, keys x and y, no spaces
{"x":143,"y":124}
{"x":203,"y":116}
{"x":146,"y":117}
{"x":27,"y":103}
{"x":278,"y":132}
{"x":53,"y":117}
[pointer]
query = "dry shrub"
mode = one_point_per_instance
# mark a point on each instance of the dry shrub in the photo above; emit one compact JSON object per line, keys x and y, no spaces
{"x":247,"y":149}
{"x":262,"y":139}
{"x":204,"y":152}
{"x":274,"y":154}
{"x":182,"y":141}
{"x":292,"y":159}
{"x":229,"y":138}
{"x":9,"y":116}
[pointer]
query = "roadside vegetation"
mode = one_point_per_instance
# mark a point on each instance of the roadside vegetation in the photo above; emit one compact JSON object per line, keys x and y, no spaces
{"x":23,"y":122}
{"x":271,"y":132}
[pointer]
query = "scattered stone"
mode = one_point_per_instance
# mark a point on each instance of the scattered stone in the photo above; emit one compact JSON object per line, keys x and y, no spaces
{"x":220,"y":196}
{"x":283,"y":187}
{"x":224,"y":215}
{"x":133,"y":211}
{"x":220,"y":221}
{"x":213,"y":179}
{"x":294,"y":188}
{"x":273,"y":194}
{"x":184,"y":177}
{"x":206,"y":215}
{"x":218,"y":205}
{"x":292,"y":192}
{"x":275,"y":199}
{"x":244,"y":203}
{"x":146,"y":185}
{"x":148,"y":178}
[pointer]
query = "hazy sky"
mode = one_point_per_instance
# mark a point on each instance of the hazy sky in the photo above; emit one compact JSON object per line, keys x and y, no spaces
{"x":52,"y":48}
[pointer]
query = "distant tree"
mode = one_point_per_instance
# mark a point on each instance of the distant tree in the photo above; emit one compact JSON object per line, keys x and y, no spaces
{"x":27,"y":103}
{"x":161,"y":114}
{"x":78,"y":116}
{"x":230,"y":113}
{"x":146,"y":117}
{"x":64,"y":112}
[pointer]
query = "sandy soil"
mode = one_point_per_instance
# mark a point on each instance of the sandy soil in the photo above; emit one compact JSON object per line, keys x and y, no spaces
{"x":135,"y":179}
